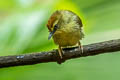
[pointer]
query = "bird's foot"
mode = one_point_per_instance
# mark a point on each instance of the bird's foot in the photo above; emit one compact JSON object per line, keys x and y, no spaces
{"x":60,"y":52}
{"x":81,"y":49}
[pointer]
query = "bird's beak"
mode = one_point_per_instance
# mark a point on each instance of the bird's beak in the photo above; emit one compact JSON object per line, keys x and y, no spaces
{"x":51,"y":34}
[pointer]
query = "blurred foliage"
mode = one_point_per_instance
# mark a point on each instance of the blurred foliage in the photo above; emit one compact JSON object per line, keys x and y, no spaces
{"x":23,"y":30}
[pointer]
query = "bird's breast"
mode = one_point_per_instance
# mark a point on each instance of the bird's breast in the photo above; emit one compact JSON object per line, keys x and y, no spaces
{"x":66,"y":38}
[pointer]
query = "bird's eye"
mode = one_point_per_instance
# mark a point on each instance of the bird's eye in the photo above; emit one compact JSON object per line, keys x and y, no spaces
{"x":56,"y":26}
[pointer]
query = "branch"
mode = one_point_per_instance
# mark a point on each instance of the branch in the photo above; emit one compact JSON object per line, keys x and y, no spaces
{"x":52,"y":56}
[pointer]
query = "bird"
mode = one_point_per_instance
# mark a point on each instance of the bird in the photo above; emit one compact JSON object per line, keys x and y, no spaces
{"x":66,"y":29}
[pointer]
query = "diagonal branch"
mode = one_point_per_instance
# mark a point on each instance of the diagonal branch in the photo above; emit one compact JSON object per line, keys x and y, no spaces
{"x":52,"y":56}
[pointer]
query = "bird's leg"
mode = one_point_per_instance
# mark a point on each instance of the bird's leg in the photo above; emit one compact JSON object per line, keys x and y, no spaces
{"x":80,"y":47}
{"x":61,"y":59}
{"x":60,"y":52}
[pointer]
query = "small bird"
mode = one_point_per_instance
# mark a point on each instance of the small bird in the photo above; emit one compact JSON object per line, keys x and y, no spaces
{"x":66,"y":29}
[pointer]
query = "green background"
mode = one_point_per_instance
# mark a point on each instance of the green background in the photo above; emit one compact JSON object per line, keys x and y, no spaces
{"x":23,"y":30}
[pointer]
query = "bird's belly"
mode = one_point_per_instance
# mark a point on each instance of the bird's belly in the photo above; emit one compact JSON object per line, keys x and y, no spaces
{"x":66,"y":39}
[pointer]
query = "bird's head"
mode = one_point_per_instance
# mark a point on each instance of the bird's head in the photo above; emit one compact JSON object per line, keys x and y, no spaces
{"x":54,"y":23}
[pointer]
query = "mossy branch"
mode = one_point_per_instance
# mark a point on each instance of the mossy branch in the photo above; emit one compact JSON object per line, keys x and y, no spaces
{"x":52,"y":56}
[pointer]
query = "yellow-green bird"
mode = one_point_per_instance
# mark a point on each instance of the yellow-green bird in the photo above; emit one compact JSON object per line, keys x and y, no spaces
{"x":66,"y":29}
